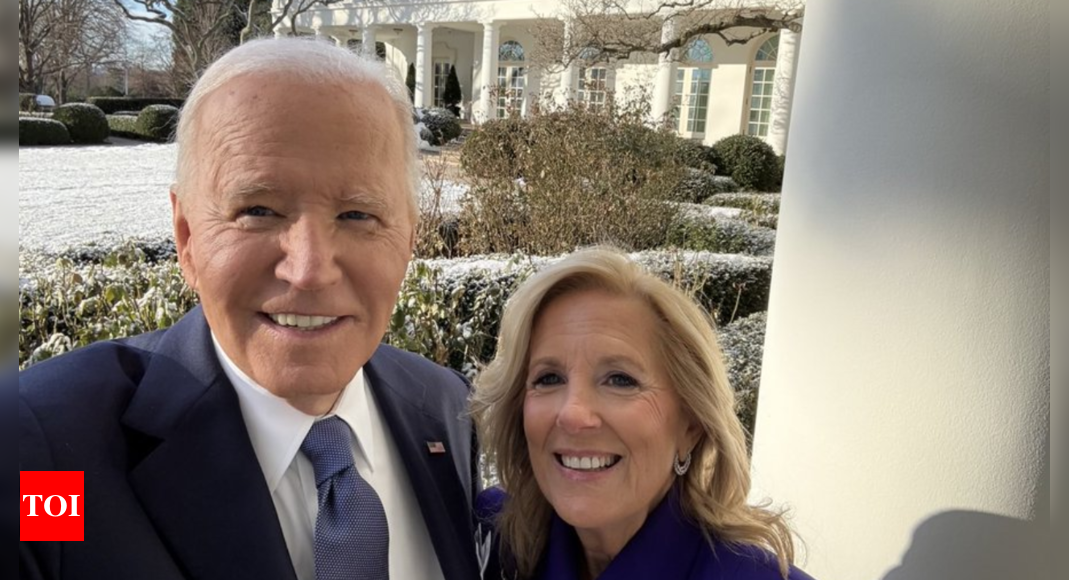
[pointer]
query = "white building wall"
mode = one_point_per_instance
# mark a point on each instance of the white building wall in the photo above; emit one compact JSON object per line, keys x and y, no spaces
{"x":904,"y":408}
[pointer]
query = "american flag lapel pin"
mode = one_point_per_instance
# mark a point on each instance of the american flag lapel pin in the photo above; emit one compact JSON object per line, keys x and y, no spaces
{"x":435,"y":447}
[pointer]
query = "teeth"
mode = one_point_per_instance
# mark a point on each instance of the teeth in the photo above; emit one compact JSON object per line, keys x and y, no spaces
{"x":302,"y":322}
{"x":587,"y":463}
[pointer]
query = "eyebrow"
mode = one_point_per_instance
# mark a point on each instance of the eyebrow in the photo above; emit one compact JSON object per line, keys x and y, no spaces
{"x":246,"y":192}
{"x":615,"y":360}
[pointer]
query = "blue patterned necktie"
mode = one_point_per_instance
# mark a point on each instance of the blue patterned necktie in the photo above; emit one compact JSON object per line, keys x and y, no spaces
{"x":351,"y":537}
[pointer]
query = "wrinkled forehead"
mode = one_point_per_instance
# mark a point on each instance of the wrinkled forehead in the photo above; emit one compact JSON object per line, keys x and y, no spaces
{"x":257,"y":115}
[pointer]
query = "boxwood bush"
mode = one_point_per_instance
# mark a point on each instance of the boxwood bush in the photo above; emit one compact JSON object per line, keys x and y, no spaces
{"x":124,"y":126}
{"x":86,"y":123}
{"x":743,"y":344}
{"x":41,"y":131}
{"x":748,"y":160}
{"x":157,"y":122}
{"x":722,"y":235}
{"x":448,"y":310}
{"x":699,"y":185}
{"x":113,"y":105}
{"x":755,"y":202}
{"x":443,"y":125}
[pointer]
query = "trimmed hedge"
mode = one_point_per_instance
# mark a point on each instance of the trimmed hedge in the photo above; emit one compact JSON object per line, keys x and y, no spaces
{"x":743,"y":345}
{"x":85,"y":123}
{"x":699,"y":185}
{"x":755,"y":202}
{"x":443,"y":125}
{"x":751,"y":162}
{"x":124,"y":126}
{"x":448,"y":310}
{"x":158,"y":122}
{"x":112,"y":105}
{"x":42,"y":131}
{"x":722,"y":235}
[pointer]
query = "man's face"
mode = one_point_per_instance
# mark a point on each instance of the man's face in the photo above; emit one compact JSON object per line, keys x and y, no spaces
{"x":295,"y":229}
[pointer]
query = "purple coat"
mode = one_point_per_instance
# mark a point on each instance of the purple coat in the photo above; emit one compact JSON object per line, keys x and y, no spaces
{"x":667,"y":547}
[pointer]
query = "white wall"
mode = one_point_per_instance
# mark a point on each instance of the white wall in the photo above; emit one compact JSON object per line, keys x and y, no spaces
{"x":904,"y":408}
{"x":1060,"y":276}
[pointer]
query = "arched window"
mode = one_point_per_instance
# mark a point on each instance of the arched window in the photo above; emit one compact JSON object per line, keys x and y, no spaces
{"x":764,"y":75}
{"x":692,"y":88}
{"x":510,"y":51}
{"x":769,"y":51}
{"x":698,"y":52}
{"x":511,"y":79}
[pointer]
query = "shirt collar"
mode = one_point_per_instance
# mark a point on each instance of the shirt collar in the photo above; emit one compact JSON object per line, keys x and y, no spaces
{"x":277,"y":429}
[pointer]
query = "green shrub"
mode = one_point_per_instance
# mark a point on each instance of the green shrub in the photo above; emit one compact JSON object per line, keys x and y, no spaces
{"x":113,"y":105}
{"x":157,"y":122}
{"x":452,"y":95}
{"x":27,"y":102}
{"x":124,"y":126}
{"x":749,"y":161}
{"x":448,"y":310}
{"x":762,"y":203}
{"x":443,"y":125}
{"x":695,"y":155}
{"x":742,"y":343}
{"x":410,"y":81}
{"x":721,"y":235}
{"x":86,"y":124}
{"x":698,"y":185}
{"x":41,"y":131}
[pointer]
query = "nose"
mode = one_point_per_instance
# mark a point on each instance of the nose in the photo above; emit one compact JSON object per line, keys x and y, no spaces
{"x":309,"y":255}
{"x":579,"y":410}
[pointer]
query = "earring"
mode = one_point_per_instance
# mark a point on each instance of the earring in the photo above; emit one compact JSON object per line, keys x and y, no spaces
{"x":682,"y":467}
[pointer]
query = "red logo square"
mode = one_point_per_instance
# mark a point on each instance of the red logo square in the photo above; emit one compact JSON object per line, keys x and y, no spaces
{"x":53,"y":506}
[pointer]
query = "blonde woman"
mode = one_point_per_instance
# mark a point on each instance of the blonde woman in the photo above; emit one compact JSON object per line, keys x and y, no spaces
{"x":608,"y":416}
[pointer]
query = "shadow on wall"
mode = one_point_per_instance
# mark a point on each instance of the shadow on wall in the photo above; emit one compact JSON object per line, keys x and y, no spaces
{"x":964,"y":545}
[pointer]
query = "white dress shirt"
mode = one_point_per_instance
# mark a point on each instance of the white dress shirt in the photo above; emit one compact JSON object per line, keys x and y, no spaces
{"x":277,"y":431}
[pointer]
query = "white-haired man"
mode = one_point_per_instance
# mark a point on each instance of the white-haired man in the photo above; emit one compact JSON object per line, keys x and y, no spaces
{"x":268,"y":434}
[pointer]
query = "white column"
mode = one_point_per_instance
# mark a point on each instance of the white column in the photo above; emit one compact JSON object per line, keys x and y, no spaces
{"x":661,"y":103}
{"x":568,"y":75}
{"x":491,"y":44}
{"x":903,"y":412}
{"x":367,"y":40}
{"x":783,"y":90}
{"x":424,"y":72}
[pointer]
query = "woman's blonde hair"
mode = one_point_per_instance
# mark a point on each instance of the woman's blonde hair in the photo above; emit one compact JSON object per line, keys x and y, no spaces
{"x":713,"y":492}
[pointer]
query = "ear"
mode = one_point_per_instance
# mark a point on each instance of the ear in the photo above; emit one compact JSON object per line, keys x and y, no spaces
{"x":691,"y":436}
{"x":182,"y":240}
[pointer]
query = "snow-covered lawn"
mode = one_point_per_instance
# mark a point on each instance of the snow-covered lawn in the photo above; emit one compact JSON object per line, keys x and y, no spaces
{"x":77,"y":196}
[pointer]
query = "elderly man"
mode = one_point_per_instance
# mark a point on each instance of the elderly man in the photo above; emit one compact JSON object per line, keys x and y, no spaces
{"x":268,"y":434}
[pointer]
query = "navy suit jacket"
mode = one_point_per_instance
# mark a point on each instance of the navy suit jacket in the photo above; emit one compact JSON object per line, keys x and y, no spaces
{"x":668,"y":545}
{"x":173,"y":488}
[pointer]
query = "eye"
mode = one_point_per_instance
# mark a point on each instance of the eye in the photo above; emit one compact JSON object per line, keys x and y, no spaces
{"x":621,"y":380}
{"x":547,"y":380}
{"x":257,"y":211}
{"x":354,"y":216}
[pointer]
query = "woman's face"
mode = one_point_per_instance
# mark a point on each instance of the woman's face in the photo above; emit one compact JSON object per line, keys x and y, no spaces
{"x":602,"y":420}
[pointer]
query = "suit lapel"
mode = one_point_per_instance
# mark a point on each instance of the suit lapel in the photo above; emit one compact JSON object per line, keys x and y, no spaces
{"x":445,"y":505}
{"x":199,"y":481}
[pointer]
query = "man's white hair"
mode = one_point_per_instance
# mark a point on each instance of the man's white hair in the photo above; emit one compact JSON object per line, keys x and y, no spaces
{"x":312,"y":61}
